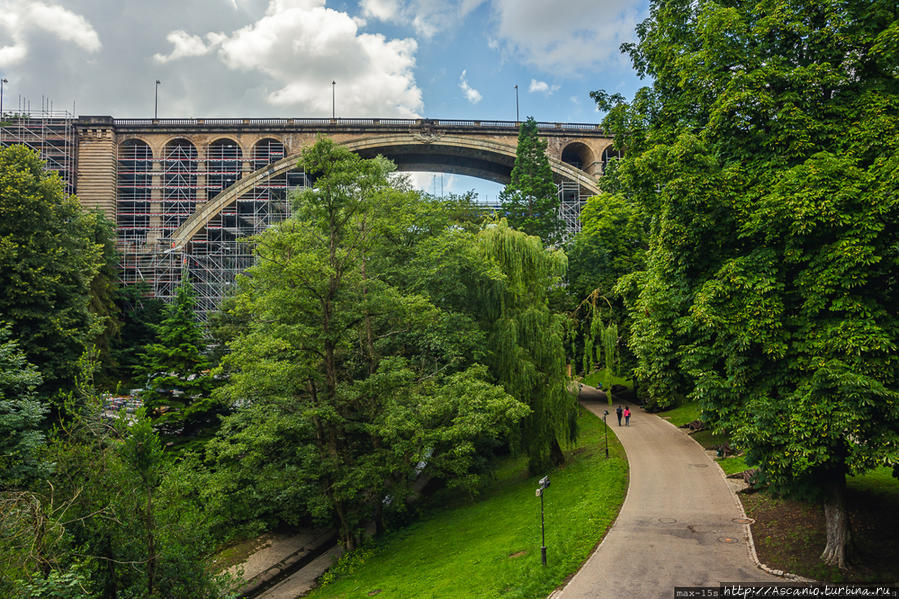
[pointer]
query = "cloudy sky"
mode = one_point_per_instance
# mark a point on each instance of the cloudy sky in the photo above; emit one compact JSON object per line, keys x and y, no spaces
{"x":254,"y":58}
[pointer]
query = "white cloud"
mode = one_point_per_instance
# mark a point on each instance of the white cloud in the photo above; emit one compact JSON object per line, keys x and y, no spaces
{"x":565,"y":36}
{"x":383,"y":10}
{"x":471,"y":94}
{"x":188,"y":45}
{"x":19,"y":19}
{"x":426,"y":17}
{"x":542,"y":87}
{"x":302,"y":46}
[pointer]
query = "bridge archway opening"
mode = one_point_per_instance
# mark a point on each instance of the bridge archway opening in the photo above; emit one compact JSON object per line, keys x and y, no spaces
{"x":432,"y":158}
{"x":208,"y":243}
{"x":267,"y":151}
{"x":134,"y":183}
{"x":223,"y":165}
{"x":442,"y":184}
{"x":578,"y":155}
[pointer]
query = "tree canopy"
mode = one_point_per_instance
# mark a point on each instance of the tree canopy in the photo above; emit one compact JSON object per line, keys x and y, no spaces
{"x":346,"y":380}
{"x":50,"y":253}
{"x":530,"y":202}
{"x":766,"y":151}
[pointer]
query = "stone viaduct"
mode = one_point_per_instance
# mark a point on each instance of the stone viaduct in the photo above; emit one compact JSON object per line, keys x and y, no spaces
{"x":182,"y":191}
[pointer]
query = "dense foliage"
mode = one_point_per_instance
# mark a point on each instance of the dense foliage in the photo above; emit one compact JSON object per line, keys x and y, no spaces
{"x":766,"y":151}
{"x":175,"y":368}
{"x":501,"y":279}
{"x":347,"y":383}
{"x":50,"y":254}
{"x":530,"y":202}
{"x":89,"y":507}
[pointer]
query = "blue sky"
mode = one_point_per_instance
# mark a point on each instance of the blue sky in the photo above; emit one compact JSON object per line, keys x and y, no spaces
{"x":253,"y":58}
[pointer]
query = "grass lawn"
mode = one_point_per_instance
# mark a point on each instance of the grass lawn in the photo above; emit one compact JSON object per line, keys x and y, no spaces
{"x":733,"y":464}
{"x":490,"y":547}
{"x":607,"y":379}
{"x":789,"y":534}
{"x":681,"y":415}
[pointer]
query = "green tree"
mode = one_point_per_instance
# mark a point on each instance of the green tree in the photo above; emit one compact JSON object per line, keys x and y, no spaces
{"x":104,"y":294}
{"x":176,"y":370}
{"x":48,"y":261}
{"x":139,"y":313}
{"x":115,"y":517}
{"x":530,"y":202}
{"x":501,"y":279}
{"x":766,"y":148}
{"x":343,"y":379}
{"x":21,"y":416}
{"x":611,"y":244}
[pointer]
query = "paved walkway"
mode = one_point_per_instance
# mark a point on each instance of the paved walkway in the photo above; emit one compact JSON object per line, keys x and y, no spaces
{"x":679,"y":525}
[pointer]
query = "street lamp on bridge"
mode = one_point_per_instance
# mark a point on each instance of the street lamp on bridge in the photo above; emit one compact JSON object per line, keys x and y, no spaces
{"x":516,"y":103}
{"x":3,"y":82}
{"x":156,"y":101}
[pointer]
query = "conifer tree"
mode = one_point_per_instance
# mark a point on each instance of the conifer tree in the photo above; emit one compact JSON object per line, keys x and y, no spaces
{"x":530,"y":201}
{"x":174,"y":364}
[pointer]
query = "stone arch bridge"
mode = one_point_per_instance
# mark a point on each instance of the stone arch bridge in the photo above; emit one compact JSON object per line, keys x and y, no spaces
{"x":182,"y":191}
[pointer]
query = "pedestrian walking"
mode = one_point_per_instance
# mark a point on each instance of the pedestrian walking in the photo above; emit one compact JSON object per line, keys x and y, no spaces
{"x":627,"y":416}
{"x":618,"y":411}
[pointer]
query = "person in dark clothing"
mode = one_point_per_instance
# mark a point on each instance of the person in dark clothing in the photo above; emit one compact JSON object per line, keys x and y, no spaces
{"x":618,"y":411}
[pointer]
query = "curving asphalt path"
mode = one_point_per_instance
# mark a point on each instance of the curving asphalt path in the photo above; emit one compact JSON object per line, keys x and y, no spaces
{"x":679,"y":525}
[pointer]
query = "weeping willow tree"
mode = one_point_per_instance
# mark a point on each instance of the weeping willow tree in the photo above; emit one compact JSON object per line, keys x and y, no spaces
{"x":600,"y":341}
{"x":525,"y":339}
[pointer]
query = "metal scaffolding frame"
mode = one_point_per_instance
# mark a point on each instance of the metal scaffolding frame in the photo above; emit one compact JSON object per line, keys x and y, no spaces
{"x":156,"y":195}
{"x":50,"y":133}
{"x":572,"y":198}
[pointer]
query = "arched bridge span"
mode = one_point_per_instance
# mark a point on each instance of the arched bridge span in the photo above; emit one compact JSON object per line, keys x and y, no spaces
{"x":481,"y":158}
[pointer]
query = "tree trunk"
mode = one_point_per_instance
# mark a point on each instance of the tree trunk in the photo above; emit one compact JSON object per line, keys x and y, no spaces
{"x":837,"y":551}
{"x":556,"y":455}
{"x":151,"y":544}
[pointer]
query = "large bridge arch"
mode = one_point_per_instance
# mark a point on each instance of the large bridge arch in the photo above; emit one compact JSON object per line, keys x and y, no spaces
{"x":481,"y":158}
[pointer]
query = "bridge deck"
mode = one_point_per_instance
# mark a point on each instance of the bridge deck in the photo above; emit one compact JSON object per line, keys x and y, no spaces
{"x":339,"y":124}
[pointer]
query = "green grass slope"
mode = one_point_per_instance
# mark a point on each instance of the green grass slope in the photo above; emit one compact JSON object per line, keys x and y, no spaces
{"x":491,"y":547}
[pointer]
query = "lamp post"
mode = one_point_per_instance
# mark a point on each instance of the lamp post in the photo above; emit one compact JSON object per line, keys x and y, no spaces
{"x":156,"y":101}
{"x":516,"y":103}
{"x":333,"y":99}
{"x":606,"y":431}
{"x":3,"y":82}
{"x":544,"y":483}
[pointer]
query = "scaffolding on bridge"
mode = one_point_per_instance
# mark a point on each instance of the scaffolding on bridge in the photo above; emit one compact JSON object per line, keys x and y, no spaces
{"x":156,"y":195}
{"x":572,"y":198}
{"x":49,"y":133}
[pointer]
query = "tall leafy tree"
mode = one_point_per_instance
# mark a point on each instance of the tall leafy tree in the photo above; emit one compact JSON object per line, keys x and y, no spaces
{"x":501,"y":278}
{"x":343,"y":378}
{"x":530,"y":202}
{"x":49,"y":257}
{"x":767,"y":149}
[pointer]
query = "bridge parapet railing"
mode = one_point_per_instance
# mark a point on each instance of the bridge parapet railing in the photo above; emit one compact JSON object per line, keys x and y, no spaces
{"x":325,"y":123}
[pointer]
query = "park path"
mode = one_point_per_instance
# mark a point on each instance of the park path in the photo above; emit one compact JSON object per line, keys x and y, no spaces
{"x":679,"y":525}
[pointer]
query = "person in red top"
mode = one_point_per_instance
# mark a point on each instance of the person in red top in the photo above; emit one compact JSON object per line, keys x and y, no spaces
{"x":627,"y":416}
